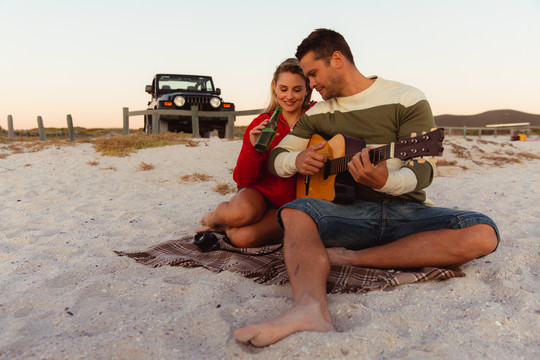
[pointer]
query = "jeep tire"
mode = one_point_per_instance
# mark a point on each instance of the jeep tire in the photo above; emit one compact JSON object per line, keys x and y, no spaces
{"x":221,"y":131}
{"x":147,"y":125}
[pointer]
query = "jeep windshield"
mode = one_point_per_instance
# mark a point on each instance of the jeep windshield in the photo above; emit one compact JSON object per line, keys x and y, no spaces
{"x":171,"y":83}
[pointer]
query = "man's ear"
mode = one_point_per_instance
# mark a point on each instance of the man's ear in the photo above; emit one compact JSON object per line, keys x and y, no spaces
{"x":336,"y":60}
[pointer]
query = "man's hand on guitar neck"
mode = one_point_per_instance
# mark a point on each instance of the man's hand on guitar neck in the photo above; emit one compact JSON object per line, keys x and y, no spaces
{"x":364,"y":172}
{"x":309,"y":161}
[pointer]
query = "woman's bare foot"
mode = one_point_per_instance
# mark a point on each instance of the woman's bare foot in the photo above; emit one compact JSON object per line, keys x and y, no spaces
{"x":207,"y":220}
{"x":342,"y":256}
{"x":300,"y":318}
{"x":208,"y":224}
{"x":203,"y":228}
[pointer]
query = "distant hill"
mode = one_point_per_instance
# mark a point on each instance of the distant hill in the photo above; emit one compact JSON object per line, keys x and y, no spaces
{"x":488,"y":117}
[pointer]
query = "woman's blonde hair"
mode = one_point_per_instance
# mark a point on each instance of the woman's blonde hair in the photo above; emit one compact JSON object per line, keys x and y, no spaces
{"x":290,"y":65}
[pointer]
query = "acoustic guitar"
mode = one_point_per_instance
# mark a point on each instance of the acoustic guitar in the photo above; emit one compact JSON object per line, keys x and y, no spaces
{"x":340,"y":150}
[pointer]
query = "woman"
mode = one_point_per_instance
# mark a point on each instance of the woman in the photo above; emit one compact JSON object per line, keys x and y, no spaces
{"x":249,"y":217}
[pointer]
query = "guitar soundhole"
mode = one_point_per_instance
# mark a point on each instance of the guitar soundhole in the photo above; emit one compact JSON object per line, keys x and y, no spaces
{"x":326,"y":172}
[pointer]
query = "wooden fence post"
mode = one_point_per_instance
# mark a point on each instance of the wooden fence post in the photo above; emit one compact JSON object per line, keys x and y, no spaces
{"x":155,"y":123}
{"x":125,"y":115}
{"x":71,"y":133}
{"x":195,"y":121}
{"x":229,"y":130}
{"x":11,"y":132}
{"x":465,"y":131}
{"x":41,"y":129}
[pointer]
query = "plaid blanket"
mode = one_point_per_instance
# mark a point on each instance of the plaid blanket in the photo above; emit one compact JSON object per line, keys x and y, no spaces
{"x":265,"y":265}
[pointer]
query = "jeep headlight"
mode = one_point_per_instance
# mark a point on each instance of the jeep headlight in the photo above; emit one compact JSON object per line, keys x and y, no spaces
{"x":215,"y":102}
{"x":179,"y":101}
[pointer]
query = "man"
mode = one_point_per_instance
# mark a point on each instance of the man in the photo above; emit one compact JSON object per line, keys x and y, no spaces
{"x":390,"y":224}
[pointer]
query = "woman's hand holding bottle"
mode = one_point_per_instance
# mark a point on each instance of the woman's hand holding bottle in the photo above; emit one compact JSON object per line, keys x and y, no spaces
{"x":256,"y":131}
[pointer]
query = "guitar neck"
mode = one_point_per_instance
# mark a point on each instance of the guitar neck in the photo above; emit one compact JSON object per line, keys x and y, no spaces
{"x":339,"y":165}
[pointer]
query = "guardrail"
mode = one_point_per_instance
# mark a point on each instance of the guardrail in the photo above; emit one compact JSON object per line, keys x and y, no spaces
{"x":490,"y":130}
{"x":231,"y":115}
{"x":194,"y":113}
{"x":41,"y":129}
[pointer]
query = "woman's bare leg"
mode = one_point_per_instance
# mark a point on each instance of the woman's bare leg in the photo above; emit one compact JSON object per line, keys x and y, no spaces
{"x":266,"y":231}
{"x":247,"y":207}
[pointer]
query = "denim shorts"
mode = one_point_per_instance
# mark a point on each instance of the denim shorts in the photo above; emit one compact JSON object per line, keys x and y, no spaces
{"x":365,"y":224}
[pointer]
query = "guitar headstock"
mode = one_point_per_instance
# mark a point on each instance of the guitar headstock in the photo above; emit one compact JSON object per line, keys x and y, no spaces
{"x":426,"y":144}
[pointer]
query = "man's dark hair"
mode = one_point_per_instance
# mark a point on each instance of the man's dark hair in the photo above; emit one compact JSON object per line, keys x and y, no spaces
{"x":324,"y":42}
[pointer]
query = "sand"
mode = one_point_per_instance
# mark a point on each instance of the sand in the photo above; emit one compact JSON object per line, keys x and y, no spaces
{"x":64,"y":294}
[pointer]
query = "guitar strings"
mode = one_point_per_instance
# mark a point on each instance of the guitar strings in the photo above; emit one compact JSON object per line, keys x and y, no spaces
{"x":338,"y":165}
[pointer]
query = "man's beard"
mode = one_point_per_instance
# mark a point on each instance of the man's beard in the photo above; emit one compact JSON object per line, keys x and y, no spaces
{"x":334,"y":88}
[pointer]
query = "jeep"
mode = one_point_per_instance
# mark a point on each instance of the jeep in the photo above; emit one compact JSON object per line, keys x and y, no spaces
{"x":181,"y":92}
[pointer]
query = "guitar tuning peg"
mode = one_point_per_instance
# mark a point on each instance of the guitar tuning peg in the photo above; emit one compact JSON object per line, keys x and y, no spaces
{"x":424,"y":133}
{"x":421,"y":160}
{"x":433,"y":129}
{"x":413,"y":134}
{"x":411,"y":163}
{"x":432,"y":160}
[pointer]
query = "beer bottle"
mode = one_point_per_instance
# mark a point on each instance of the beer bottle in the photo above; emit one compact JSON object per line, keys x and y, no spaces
{"x":268,"y":133}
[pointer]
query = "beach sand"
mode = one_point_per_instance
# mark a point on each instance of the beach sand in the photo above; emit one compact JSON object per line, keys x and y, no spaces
{"x":66,"y":295}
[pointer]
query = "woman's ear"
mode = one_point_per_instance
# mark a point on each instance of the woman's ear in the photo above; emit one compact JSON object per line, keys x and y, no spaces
{"x":274,"y":87}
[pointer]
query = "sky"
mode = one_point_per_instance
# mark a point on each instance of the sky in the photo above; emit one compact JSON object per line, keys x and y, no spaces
{"x":90,"y":59}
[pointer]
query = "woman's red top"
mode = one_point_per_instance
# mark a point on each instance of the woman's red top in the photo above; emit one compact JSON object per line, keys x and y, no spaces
{"x":252,"y":167}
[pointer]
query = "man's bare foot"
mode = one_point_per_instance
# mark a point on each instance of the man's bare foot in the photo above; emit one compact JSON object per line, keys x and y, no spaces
{"x":342,"y":256}
{"x":299,"y":318}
